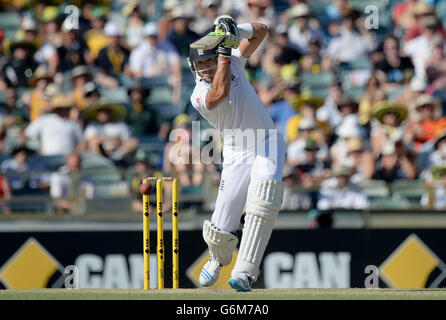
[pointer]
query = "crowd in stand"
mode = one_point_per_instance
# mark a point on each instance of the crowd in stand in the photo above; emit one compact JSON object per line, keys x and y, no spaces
{"x":355,"y":103}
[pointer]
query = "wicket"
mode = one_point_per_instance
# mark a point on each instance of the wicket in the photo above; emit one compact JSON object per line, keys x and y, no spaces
{"x":160,"y":251}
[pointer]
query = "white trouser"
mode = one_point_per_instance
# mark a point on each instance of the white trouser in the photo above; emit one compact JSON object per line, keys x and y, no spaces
{"x":241,"y":169}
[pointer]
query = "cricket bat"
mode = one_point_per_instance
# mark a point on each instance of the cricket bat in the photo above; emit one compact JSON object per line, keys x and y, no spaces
{"x":209,"y":41}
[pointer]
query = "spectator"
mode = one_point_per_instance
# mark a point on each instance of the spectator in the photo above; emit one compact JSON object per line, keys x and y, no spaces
{"x":329,"y":111}
{"x":56,"y":134}
{"x":80,"y":75}
{"x":151,"y":59}
{"x":296,"y":148}
{"x":339,"y":192}
{"x":294,"y":198}
{"x":301,"y":32}
{"x":420,"y":48}
{"x":177,"y":159}
{"x":20,"y":171}
{"x":306,"y":105}
{"x":420,"y":11}
{"x":5,"y":195}
{"x":113,"y":59}
{"x":134,"y":24}
{"x":353,"y":42}
{"x":143,"y":120}
{"x":314,"y":62}
{"x":73,"y":50}
{"x":140,"y":170}
{"x":435,"y":198}
{"x":389,"y":127}
{"x":47,"y":53}
{"x":436,"y":65}
{"x":395,"y":163}
{"x":13,"y":121}
{"x":360,"y":160}
{"x":107,"y":133}
{"x":409,"y":96}
{"x":68,"y":187}
{"x":374,"y":93}
{"x":204,"y":18}
{"x":257,"y":10}
{"x":20,"y":65}
{"x":436,"y":158}
{"x":423,"y":132}
{"x":395,"y":67}
{"x":181,"y":36}
{"x":95,"y":38}
{"x":314,"y":169}
{"x":39,"y":103}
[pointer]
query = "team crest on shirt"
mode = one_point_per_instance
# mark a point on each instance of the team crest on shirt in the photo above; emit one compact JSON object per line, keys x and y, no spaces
{"x":198,"y":101}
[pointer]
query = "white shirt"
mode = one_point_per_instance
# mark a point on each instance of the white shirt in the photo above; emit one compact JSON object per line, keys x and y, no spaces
{"x":333,"y":197}
{"x":420,"y":50}
{"x":111,"y":129}
{"x":153,"y":61}
{"x":58,"y":136}
{"x":349,"y":46}
{"x":241,"y":112}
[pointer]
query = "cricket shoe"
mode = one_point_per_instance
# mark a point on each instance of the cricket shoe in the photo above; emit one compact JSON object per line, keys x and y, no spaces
{"x":240,"y":282}
{"x":210,"y":273}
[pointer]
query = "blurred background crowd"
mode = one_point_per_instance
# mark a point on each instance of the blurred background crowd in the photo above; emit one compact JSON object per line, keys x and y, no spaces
{"x":90,"y":94}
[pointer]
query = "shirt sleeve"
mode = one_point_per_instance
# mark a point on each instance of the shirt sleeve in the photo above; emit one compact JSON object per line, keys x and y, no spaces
{"x":198,"y":98}
{"x":33,"y":129}
{"x":239,"y":57}
{"x":90,"y":131}
{"x":135,"y":60}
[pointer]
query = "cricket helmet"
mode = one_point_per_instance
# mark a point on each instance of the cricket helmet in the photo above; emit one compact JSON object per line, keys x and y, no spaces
{"x":196,"y":55}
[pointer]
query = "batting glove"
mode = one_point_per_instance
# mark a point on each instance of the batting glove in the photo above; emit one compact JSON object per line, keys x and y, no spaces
{"x":227,"y":24}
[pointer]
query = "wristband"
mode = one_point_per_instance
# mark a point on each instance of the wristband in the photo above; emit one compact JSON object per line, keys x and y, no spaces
{"x":246,"y":30}
{"x":224,"y":62}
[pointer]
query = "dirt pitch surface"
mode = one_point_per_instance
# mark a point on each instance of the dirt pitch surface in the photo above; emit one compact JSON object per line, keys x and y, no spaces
{"x":210,"y":294}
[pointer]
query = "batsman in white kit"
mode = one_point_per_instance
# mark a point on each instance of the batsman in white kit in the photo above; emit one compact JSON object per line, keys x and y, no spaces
{"x":251,"y":178}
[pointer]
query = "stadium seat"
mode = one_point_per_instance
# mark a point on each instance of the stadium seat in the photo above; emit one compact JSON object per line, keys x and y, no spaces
{"x":389,"y":203}
{"x":115,"y":95}
{"x":160,"y":94}
{"x":317,"y":80}
{"x":9,"y":21}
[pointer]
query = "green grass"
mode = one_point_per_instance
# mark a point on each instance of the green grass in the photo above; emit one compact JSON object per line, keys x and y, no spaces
{"x":212,"y":294}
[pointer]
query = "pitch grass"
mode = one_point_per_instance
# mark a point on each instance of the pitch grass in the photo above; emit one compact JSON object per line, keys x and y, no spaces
{"x":223,"y":294}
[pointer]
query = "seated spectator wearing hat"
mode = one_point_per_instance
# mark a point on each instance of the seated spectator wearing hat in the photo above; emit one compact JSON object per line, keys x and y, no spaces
{"x":395,"y":163}
{"x":412,"y":90}
{"x":314,"y":168}
{"x":38,"y":101}
{"x":306,"y":105}
{"x":56,"y":133}
{"x":19,"y":171}
{"x":347,"y":130}
{"x":423,"y":132}
{"x":395,"y":67}
{"x":360,"y":160}
{"x":134,"y":24}
{"x":389,"y":125}
{"x":354,"y":41}
{"x":112,"y":60}
{"x":80,"y":75}
{"x":420,"y":11}
{"x":294,"y":198}
{"x":374,"y":93}
{"x":339,"y":192}
{"x":151,"y":59}
{"x":13,"y":120}
{"x":143,"y":120}
{"x":68,"y":187}
{"x":435,"y":196}
{"x":301,"y":31}
{"x":106,"y":133}
{"x":19,"y":65}
{"x":436,"y":158}
{"x":308,"y":129}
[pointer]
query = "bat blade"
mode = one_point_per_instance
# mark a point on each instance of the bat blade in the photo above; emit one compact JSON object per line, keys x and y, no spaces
{"x":209,"y":41}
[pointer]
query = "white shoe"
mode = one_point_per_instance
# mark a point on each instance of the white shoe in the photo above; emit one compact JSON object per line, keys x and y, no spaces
{"x":210,"y":273}
{"x":240,"y":282}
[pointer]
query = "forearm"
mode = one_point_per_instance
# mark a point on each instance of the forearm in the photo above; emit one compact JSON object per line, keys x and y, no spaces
{"x":249,"y":44}
{"x":221,"y":84}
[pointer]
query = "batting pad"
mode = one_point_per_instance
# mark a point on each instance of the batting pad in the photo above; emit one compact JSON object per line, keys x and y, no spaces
{"x":262,"y":209}
{"x":221,"y":243}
